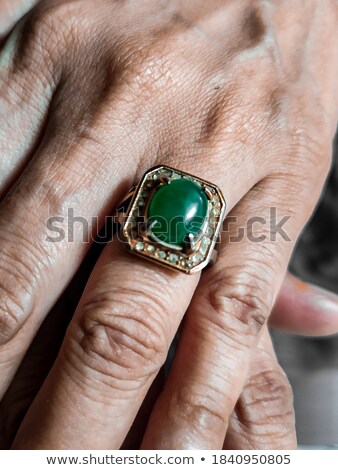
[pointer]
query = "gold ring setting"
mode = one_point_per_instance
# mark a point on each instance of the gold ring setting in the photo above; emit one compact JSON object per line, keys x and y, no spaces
{"x":173,"y":218}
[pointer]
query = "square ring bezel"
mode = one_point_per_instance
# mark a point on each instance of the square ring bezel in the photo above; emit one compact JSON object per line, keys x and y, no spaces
{"x":178,"y":260}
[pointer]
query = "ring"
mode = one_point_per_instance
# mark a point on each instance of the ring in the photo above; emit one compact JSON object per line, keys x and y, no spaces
{"x":173,"y":219}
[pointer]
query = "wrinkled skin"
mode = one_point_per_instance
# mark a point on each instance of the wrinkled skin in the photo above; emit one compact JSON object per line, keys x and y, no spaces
{"x":93,"y":93}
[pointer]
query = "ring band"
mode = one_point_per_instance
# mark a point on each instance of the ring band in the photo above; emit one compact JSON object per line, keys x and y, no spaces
{"x":173,"y":218}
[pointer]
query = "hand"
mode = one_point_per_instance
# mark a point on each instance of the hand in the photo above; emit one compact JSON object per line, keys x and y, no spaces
{"x":307,"y":309}
{"x":98,"y":102}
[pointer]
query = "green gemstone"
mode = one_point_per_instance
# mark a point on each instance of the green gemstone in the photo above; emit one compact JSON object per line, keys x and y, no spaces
{"x":179,"y":208}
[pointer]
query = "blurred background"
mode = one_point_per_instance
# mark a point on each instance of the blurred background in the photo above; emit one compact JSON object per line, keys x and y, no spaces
{"x":312,"y":363}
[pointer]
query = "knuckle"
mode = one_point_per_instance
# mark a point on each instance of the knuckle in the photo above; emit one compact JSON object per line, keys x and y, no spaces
{"x":120,"y":338}
{"x":196,"y":407}
{"x":271,"y":386}
{"x":253,"y":24}
{"x":155,"y":67}
{"x":268,"y":401}
{"x":255,"y":34}
{"x":149,"y":70}
{"x":241,"y":302}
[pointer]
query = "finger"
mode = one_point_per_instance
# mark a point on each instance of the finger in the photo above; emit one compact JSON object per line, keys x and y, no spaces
{"x":305,"y":309}
{"x":264,"y":416}
{"x":41,"y":355}
{"x":113,"y":350}
{"x":232,"y":302}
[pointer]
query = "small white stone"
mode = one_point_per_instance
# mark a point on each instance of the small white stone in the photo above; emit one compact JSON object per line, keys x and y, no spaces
{"x":206,"y":241}
{"x":195,"y":258}
{"x":215,"y":211}
{"x":203,"y":250}
{"x":162,"y":254}
{"x":210,"y":231}
{"x":136,"y":212}
{"x":139,"y":246}
{"x":212,"y":219}
{"x":173,"y":258}
{"x":166,"y":173}
{"x":150,"y":248}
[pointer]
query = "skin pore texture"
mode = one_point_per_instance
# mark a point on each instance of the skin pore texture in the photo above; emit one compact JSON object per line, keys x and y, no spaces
{"x":92,"y":94}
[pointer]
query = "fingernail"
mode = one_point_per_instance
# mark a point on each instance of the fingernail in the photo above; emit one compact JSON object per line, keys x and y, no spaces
{"x":321,"y":298}
{"x":326,"y":302}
